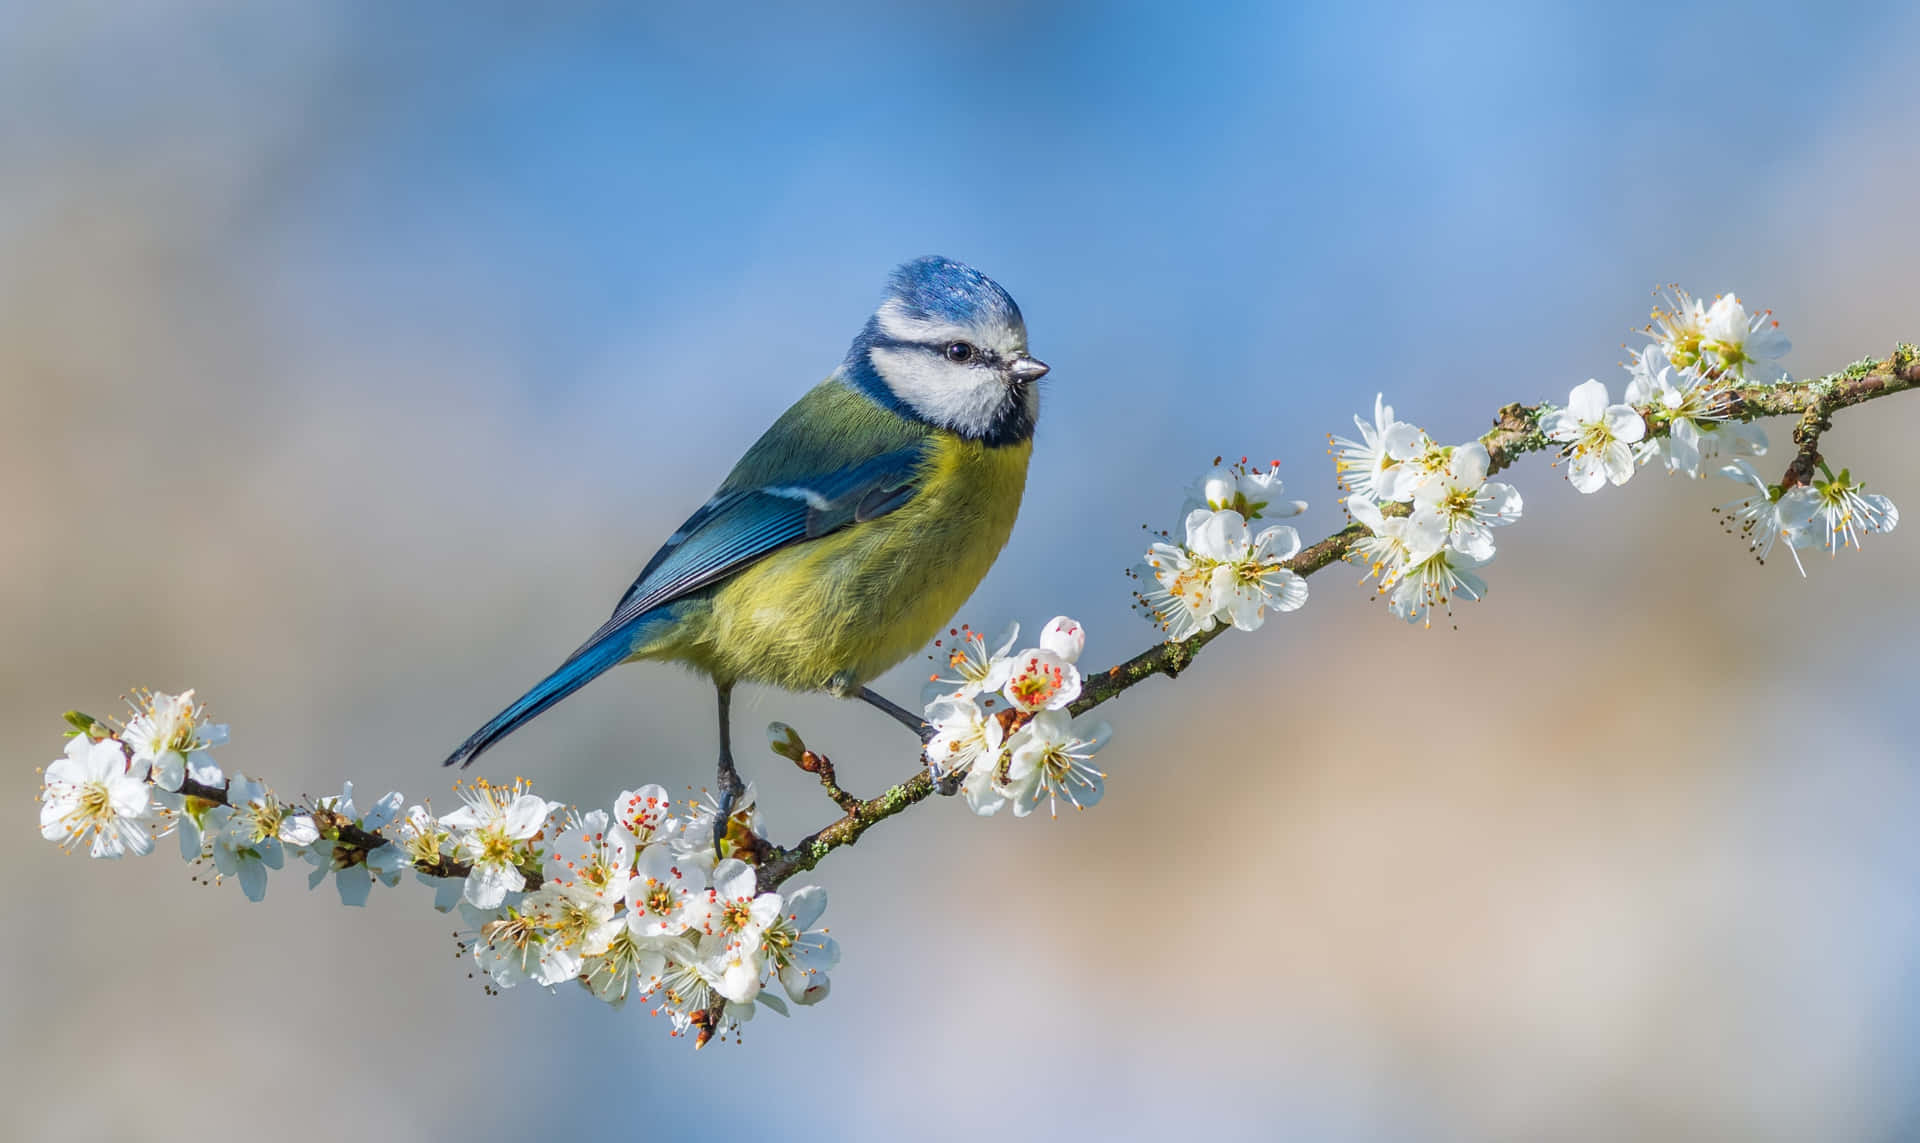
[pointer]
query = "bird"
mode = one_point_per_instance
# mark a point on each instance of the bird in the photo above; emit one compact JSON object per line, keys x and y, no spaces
{"x":849,"y":534}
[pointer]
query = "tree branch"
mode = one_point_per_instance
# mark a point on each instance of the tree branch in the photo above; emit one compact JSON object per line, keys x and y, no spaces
{"x":335,"y":827}
{"x":1516,"y":432}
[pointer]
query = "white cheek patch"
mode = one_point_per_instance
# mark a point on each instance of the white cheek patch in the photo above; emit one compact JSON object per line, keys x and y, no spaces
{"x":966,"y":399}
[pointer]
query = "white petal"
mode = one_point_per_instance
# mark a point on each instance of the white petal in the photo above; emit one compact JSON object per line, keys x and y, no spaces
{"x":383,"y":811}
{"x":1064,"y":638}
{"x":298,"y":829}
{"x":1281,"y":542}
{"x":170,"y":771}
{"x":1470,"y":462}
{"x":489,"y":884}
{"x":805,"y":905}
{"x":525,"y":816}
{"x":1365,"y":511}
{"x":1889,"y":516}
{"x":1625,"y":423}
{"x":1286,"y":590}
{"x":1221,"y":536}
{"x":1618,"y":459}
{"x":733,"y":879}
{"x":1588,"y":401}
{"x":355,"y":885}
{"x":1402,"y":441}
{"x":1501,"y":501}
{"x":466,"y":817}
{"x":1586,"y":472}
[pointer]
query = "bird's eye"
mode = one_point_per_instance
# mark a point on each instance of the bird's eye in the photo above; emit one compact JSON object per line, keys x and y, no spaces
{"x":959,"y":352}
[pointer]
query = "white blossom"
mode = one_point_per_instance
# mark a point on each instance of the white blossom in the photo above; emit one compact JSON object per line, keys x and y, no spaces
{"x":1182,"y":601}
{"x":646,"y":814}
{"x":1597,"y":436}
{"x":1686,"y":400}
{"x":170,"y":733}
{"x":354,"y":869}
{"x":383,"y":811}
{"x":1044,"y":677}
{"x":1427,"y":460}
{"x":496,"y":827}
{"x":667,"y":895}
{"x":1396,"y":541}
{"x":1844,"y":511}
{"x":252,"y":837}
{"x":421,"y":839}
{"x":1248,"y":578}
{"x":984,"y":785}
{"x":625,"y":906}
{"x":1047,"y":761}
{"x":963,"y":736}
{"x":195,"y":822}
{"x":512,"y":946}
{"x":1223,"y":574}
{"x":1743,"y":345}
{"x":1767,"y":514}
{"x":593,"y":853}
{"x":1678,"y":326}
{"x":629,"y":965}
{"x":1369,"y":466}
{"x":99,"y":796}
{"x":799,"y":954}
{"x":1041,"y":680}
{"x":1249,"y":491}
{"x":1432,"y":581}
{"x":576,"y":923}
{"x":690,"y":987}
{"x":741,"y":914}
{"x":1470,"y":505}
{"x":975,"y":670}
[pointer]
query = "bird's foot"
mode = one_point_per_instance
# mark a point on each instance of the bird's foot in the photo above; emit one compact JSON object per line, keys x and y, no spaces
{"x":731,"y":787}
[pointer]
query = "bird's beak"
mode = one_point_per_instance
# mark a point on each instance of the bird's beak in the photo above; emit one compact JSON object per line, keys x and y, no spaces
{"x":1026,"y":368}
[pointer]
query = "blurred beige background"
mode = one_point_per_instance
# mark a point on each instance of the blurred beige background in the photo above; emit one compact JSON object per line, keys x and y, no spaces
{"x":351,"y":362}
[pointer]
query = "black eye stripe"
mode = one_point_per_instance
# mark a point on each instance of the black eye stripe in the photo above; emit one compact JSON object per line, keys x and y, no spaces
{"x":981,"y":354}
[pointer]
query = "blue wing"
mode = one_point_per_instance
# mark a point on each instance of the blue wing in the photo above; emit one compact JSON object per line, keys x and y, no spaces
{"x":740,"y":527}
{"x":733,"y":530}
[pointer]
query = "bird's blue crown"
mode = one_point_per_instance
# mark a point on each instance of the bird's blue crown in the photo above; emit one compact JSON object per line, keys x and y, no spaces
{"x":936,"y":289}
{"x":948,"y":346}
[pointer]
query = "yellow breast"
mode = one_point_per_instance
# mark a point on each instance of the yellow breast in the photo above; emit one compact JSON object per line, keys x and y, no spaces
{"x":834,"y":613}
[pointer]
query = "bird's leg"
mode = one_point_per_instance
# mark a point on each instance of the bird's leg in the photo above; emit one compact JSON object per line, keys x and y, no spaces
{"x":731,"y":787}
{"x":898,"y":713}
{"x":946,"y":784}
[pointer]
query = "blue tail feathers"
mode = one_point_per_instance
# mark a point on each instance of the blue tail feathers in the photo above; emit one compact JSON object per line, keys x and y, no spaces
{"x":591,"y":661}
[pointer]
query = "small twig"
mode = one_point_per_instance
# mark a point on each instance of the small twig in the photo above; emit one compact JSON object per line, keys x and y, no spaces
{"x":785,"y":741}
{"x":1815,"y":421}
{"x":820,"y":764}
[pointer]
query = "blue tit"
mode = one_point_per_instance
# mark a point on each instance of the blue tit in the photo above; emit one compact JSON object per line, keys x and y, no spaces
{"x":854,"y":528}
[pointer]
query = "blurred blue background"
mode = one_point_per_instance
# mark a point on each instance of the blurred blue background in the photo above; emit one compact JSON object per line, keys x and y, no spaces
{"x":353,"y":357}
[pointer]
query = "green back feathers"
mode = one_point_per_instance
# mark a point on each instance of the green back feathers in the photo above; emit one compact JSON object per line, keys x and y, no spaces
{"x":832,"y":427}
